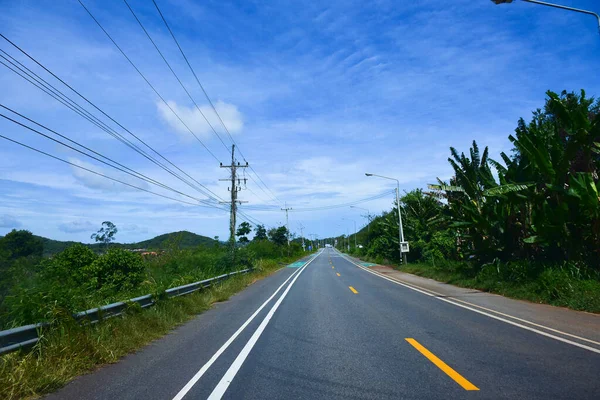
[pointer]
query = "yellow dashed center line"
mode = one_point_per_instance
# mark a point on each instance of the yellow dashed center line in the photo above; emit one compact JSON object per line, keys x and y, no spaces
{"x":338,"y":274}
{"x":332,"y":267}
{"x":353,"y":290}
{"x":458,"y":378}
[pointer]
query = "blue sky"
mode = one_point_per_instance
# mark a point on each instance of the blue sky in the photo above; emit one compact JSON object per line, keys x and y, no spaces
{"x":314,"y":93}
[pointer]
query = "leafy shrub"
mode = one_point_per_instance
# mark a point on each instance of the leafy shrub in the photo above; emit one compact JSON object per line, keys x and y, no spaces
{"x":263,"y":249}
{"x":442,"y":245}
{"x":381,"y":247}
{"x":21,"y":243}
{"x":116,"y":270}
{"x":70,"y":265}
{"x":555,"y":283}
{"x":245,"y":258}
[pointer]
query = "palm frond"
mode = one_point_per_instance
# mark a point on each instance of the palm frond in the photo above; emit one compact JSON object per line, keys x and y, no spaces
{"x":504,"y":189}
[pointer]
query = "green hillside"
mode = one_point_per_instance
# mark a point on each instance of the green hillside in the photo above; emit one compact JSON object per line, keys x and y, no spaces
{"x":53,"y":246}
{"x":184,"y":239}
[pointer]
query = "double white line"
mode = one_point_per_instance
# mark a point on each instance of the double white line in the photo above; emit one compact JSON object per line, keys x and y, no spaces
{"x":224,"y":383}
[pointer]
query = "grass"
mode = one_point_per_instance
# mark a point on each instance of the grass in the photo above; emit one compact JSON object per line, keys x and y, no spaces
{"x":71,"y":349}
{"x":554,"y":286}
{"x":557,"y":285}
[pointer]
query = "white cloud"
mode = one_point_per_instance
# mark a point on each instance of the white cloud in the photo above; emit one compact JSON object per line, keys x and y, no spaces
{"x":98,"y":182}
{"x":195,"y":120}
{"x":9,"y":221}
{"x":132,"y":228}
{"x":77,"y":226}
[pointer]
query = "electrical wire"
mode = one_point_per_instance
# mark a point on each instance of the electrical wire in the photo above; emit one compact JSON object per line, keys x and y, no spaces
{"x":80,"y":113}
{"x":174,"y":74}
{"x":120,"y":166}
{"x":113,"y":133}
{"x":147,"y":81}
{"x":100,"y":174}
{"x":211,"y":103}
{"x":114,"y":121}
{"x":376,"y":197}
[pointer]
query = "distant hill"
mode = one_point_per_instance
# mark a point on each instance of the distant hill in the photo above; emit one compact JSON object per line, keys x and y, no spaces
{"x":53,"y":246}
{"x":184,"y":238}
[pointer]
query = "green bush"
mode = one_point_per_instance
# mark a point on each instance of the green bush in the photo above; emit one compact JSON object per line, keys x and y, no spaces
{"x":381,"y":248}
{"x":442,"y":245}
{"x":245,"y":258}
{"x":264,"y":249}
{"x":69,"y":266}
{"x":22,"y":243}
{"x":116,"y":270}
{"x":555,"y":283}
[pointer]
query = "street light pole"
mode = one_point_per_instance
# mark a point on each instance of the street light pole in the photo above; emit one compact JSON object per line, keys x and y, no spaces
{"x":400,"y":229}
{"x":543,"y":3}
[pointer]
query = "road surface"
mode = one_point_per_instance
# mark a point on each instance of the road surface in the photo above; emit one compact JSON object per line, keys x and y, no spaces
{"x":329,"y":329}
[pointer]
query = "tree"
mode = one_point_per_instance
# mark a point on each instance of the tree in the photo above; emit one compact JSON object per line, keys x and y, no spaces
{"x":261,"y":233}
{"x":243,"y":230}
{"x":278,"y":235}
{"x":22,"y":243}
{"x":545,"y":205}
{"x":106,"y":234}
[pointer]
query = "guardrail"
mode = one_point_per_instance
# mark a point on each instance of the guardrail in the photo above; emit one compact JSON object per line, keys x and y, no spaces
{"x":28,"y":335}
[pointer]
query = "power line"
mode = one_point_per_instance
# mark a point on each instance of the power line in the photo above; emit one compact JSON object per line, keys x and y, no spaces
{"x":97,"y":121}
{"x":210,"y":101}
{"x":379,"y":196}
{"x":120,"y":166}
{"x":102,"y":175}
{"x":147,"y":81}
{"x":72,"y":108}
{"x":257,"y":196}
{"x":174,"y":74}
{"x":250,"y":219}
{"x":260,"y":187}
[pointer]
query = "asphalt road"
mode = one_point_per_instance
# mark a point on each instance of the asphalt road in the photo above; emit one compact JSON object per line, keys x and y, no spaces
{"x":331,"y":330}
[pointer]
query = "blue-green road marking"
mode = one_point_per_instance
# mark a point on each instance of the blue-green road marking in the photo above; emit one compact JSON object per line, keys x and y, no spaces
{"x":300,"y":263}
{"x":297,"y":264}
{"x":366,"y":264}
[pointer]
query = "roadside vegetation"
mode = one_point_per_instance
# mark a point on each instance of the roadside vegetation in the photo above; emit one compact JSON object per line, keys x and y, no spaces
{"x":526,"y":226}
{"x":34,"y":289}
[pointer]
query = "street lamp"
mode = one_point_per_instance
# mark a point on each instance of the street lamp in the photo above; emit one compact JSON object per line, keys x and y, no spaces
{"x":543,"y":3}
{"x":400,"y":229}
{"x":348,"y":219}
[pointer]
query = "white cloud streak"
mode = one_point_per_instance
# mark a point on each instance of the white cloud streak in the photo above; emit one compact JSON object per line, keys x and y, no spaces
{"x":195,"y":120}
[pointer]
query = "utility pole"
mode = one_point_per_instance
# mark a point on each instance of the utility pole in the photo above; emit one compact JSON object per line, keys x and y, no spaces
{"x":287,"y":223}
{"x":302,"y":236}
{"x":234,"y":189}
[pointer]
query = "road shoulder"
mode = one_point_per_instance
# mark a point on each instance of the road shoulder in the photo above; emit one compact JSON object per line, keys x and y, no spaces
{"x":559,"y":320}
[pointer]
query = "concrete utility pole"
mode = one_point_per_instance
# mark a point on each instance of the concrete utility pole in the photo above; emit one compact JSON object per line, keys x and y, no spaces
{"x":302,"y":236}
{"x":234,"y":189}
{"x":287,"y":222}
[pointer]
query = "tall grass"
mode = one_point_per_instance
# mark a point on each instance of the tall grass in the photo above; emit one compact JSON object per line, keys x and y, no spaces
{"x":71,"y":349}
{"x":565,"y":285}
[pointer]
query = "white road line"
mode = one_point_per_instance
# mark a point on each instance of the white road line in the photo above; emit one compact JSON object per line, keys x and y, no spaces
{"x":214,"y":358}
{"x":423,"y":291}
{"x":226,"y":380}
